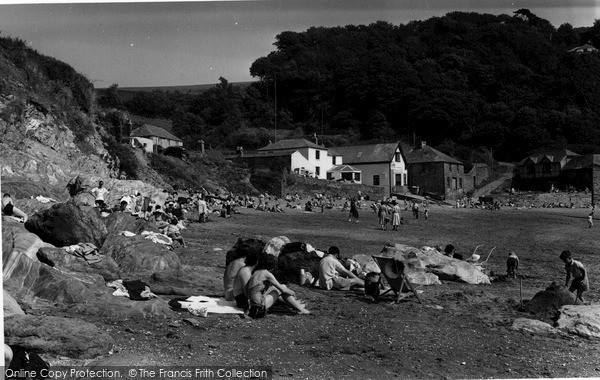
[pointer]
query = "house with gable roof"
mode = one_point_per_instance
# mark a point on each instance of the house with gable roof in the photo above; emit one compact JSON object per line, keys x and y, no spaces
{"x":382,"y":165}
{"x":542,"y":171}
{"x":435,"y":173}
{"x":151,"y":137}
{"x":304,"y":157}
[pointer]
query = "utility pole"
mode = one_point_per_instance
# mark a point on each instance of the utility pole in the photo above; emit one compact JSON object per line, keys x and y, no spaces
{"x":275,"y":105}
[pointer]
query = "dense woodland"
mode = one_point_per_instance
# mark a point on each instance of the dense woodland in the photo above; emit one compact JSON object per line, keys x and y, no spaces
{"x":462,"y":82}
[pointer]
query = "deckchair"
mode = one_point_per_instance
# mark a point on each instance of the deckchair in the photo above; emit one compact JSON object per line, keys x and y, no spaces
{"x":393,"y":271}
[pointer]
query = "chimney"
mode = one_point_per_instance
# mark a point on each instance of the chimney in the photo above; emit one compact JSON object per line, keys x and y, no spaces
{"x":423,"y":144}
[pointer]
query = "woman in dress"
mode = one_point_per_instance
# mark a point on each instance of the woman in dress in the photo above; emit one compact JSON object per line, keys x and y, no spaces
{"x":395,"y":216}
{"x":383,"y":215}
{"x":353,"y":210}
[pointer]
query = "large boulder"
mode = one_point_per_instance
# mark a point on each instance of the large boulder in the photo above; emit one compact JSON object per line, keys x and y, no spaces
{"x":58,"y":336}
{"x":414,"y":276}
{"x":124,"y":221}
{"x":25,"y":277}
{"x":294,"y":257}
{"x":66,"y":224}
{"x":59,"y":258}
{"x":533,"y":326}
{"x":16,"y":239}
{"x":545,"y":304}
{"x":10,"y":305}
{"x":432,"y":261}
{"x":582,"y":320}
{"x":275,"y":245}
{"x":139,"y":255}
{"x":121,"y":308}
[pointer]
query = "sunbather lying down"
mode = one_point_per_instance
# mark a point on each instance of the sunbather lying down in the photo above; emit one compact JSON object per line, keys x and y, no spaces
{"x":9,"y":209}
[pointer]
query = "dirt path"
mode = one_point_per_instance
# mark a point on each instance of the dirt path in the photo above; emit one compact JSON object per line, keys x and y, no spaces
{"x":488,"y":188}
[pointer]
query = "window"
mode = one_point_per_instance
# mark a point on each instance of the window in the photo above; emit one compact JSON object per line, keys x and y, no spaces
{"x":460,"y":183}
{"x":357,"y":177}
{"x":333,"y":160}
{"x":347,"y":176}
{"x":375,"y":180}
{"x":330,"y":175}
{"x":398,"y":179}
{"x":397,"y":157}
{"x":448,"y":182}
{"x":317,"y":171}
{"x":405,"y":180}
{"x":454,"y":183}
{"x":318,"y":154}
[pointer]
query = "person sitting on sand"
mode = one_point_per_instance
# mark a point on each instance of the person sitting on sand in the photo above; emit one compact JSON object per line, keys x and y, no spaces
{"x":8,"y":208}
{"x":263,"y":289}
{"x":172,"y":231}
{"x":577,"y":270}
{"x":229,"y":276}
{"x":241,"y":279}
{"x":333,"y":275}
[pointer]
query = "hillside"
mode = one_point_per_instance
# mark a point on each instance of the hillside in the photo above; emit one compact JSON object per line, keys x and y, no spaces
{"x":46,"y":133}
{"x":52,"y":130}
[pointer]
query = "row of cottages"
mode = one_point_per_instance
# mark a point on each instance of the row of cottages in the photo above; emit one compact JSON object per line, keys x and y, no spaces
{"x":559,"y":169}
{"x":542,"y":171}
{"x":150,"y":138}
{"x":395,"y":167}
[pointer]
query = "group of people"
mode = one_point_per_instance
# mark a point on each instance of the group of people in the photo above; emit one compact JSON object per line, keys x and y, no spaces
{"x":248,"y":280}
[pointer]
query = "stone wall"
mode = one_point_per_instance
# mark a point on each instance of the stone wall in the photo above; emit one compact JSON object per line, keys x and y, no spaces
{"x":307,"y":187}
{"x":596,"y":186}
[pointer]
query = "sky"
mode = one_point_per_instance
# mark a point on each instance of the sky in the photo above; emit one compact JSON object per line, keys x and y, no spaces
{"x":187,"y":43}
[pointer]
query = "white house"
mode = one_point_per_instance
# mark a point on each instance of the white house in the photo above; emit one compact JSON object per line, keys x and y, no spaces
{"x":381,"y":165}
{"x":150,"y":137}
{"x":307,"y":157}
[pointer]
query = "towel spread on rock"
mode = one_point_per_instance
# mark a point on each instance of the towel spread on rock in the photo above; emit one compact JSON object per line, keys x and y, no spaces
{"x":85,"y":251}
{"x":157,"y":238}
{"x":201,"y":305}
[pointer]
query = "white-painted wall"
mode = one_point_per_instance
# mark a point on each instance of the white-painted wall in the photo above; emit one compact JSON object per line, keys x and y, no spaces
{"x":148,"y":143}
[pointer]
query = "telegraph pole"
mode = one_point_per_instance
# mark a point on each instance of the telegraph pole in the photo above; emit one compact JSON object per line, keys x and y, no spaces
{"x":275,"y":106}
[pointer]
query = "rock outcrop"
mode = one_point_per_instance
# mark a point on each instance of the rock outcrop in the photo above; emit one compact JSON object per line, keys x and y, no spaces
{"x":66,"y":224}
{"x":139,"y":255}
{"x":39,"y":147}
{"x":59,"y":258}
{"x":582,"y":320}
{"x":58,"y":336}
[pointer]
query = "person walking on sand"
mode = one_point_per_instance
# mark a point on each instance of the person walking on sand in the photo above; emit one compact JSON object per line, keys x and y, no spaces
{"x":383,"y":215}
{"x":395,"y":216}
{"x":576,"y":269}
{"x":353,"y":210}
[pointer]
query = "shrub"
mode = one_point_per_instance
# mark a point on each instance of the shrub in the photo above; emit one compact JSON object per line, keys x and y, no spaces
{"x":126,"y":156}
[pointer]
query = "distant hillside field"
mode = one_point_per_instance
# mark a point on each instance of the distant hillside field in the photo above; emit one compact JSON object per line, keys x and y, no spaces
{"x":190,"y":89}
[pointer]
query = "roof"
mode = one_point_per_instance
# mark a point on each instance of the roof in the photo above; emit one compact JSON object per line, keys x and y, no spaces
{"x":291,"y":144}
{"x":554,"y":156}
{"x":582,"y":162}
{"x":427,"y":154}
{"x":343,"y":169}
{"x":148,"y":130}
{"x":365,"y":154}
